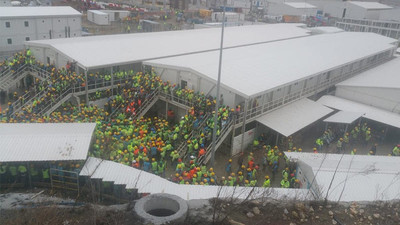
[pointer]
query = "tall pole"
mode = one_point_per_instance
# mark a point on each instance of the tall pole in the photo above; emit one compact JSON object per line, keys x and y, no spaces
{"x":112,"y":81}
{"x":214,"y":137}
{"x":86,"y":89}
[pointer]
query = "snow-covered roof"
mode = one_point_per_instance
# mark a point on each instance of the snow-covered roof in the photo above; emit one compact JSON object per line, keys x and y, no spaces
{"x":106,"y":50}
{"x":360,"y":177}
{"x":370,"y":112}
{"x":24,"y":142}
{"x":293,"y":117}
{"x":370,"y":5}
{"x":45,"y":11}
{"x":345,"y":117}
{"x":146,"y":182}
{"x":383,"y":76}
{"x":300,"y":5}
{"x":253,"y":70}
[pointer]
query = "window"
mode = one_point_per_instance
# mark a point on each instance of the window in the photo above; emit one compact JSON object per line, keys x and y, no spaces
{"x":9,"y":41}
{"x":8,"y":25}
{"x":59,"y":21}
{"x":42,"y":21}
{"x":27,"y":39}
{"x":26,"y":24}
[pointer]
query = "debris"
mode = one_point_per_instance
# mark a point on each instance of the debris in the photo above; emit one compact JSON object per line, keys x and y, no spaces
{"x":250,"y":215}
{"x":256,"y":210}
{"x":376,"y":215}
{"x":295,"y":214}
{"x":233,"y":222}
{"x":330,"y":213}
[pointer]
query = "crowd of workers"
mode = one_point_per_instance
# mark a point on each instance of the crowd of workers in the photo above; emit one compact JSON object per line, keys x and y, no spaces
{"x":152,"y":144}
{"x":18,"y":172}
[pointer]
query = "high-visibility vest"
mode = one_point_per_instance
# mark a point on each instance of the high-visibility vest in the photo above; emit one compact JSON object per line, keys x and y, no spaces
{"x":45,"y":173}
{"x":22,"y":169}
{"x":13,"y":170}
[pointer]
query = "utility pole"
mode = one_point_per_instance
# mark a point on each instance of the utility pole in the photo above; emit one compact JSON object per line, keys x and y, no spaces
{"x":214,"y":137}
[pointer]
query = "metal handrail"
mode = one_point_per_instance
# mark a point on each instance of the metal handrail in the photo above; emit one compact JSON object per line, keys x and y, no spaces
{"x":183,"y":145}
{"x":222,"y":133}
{"x":146,"y":103}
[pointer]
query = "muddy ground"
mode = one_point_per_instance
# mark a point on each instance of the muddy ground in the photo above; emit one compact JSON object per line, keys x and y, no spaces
{"x":19,"y":209}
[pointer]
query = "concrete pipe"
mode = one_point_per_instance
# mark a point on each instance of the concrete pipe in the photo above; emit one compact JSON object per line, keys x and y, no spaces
{"x":162,"y":209}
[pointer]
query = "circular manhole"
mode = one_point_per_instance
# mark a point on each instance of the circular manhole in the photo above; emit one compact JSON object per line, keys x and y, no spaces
{"x":162,"y":208}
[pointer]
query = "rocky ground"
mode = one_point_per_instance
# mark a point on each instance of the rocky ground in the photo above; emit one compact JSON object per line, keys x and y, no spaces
{"x":18,"y":209}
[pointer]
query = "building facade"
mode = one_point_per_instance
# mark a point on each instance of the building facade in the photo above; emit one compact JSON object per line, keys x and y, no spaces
{"x":20,"y":24}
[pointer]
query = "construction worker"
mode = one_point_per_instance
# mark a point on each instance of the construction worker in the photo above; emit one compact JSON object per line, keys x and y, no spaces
{"x":231,"y":182}
{"x":315,"y":150}
{"x":22,"y":171}
{"x":267,"y":182}
{"x":154,"y":166}
{"x":3,"y":173}
{"x":13,"y":173}
{"x":396,"y":150}
{"x":246,"y":183}
{"x":228,"y":167}
{"x":345,"y":141}
{"x":285,"y":173}
{"x":224,"y":181}
{"x":367,"y":136}
{"x":45,"y":174}
{"x":339,"y":145}
{"x":353,"y":152}
{"x":285,"y":183}
{"x":319,"y":144}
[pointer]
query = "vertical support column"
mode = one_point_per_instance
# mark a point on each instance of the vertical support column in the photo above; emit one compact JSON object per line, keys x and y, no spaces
{"x":233,"y":131}
{"x":246,"y":103}
{"x":112,"y":81}
{"x":29,"y":175}
{"x":277,"y":139}
{"x":166,"y":109}
{"x":86,"y":88}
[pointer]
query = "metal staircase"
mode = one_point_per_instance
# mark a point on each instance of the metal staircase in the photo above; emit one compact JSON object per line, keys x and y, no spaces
{"x":182,"y":148}
{"x":220,"y":139}
{"x":147,"y":104}
{"x":9,"y":78}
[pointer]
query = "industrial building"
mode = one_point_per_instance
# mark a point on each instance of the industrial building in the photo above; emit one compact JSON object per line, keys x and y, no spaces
{"x":333,"y":8}
{"x":263,"y":78}
{"x":347,"y":178}
{"x":259,"y":70}
{"x":291,"y":9}
{"x":129,"y":50}
{"x":105,"y":17}
{"x":20,"y":24}
{"x":378,"y":87}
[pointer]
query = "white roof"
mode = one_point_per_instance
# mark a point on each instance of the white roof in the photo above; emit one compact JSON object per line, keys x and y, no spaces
{"x":98,"y":12}
{"x":372,"y":113}
{"x":369,"y":178}
{"x":383,"y":76}
{"x":252,"y":70}
{"x":149,"y":183}
{"x":345,"y":117}
{"x":371,"y":5}
{"x":47,"y":11}
{"x":24,"y":142}
{"x":300,"y":5}
{"x":293,"y":117}
{"x":106,"y":50}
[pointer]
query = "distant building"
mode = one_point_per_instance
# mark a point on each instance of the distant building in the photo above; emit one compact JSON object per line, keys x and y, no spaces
{"x":105,"y":17}
{"x":20,"y":24}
